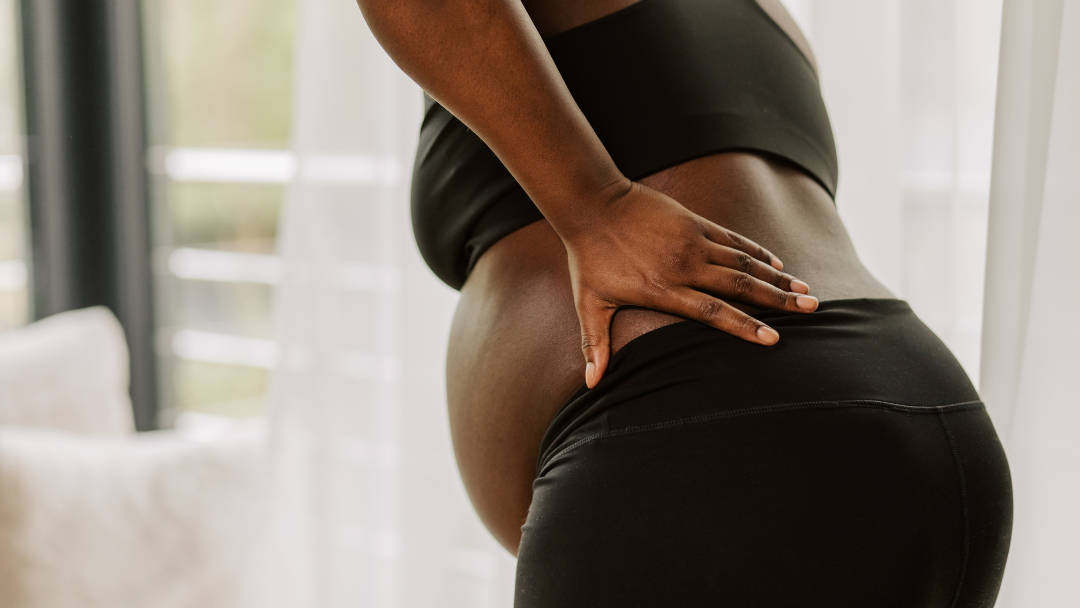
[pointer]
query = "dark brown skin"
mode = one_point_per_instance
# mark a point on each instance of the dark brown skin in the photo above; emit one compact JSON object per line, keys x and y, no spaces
{"x":684,"y":241}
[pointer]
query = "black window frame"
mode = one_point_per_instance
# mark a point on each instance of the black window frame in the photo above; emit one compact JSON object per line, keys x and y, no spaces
{"x":87,"y":185}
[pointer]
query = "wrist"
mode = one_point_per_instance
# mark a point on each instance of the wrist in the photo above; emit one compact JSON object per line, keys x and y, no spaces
{"x":586,"y":208}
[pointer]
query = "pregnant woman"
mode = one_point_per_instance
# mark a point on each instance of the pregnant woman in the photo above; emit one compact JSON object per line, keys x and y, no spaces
{"x":651,"y":184}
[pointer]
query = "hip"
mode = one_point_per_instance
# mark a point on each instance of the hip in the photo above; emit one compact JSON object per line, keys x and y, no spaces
{"x":850,"y":465}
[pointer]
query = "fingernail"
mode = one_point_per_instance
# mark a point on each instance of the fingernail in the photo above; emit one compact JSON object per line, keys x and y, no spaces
{"x":590,"y":369}
{"x":767,"y":335}
{"x":776,"y":263}
{"x":806,"y":302}
{"x":799,"y":287}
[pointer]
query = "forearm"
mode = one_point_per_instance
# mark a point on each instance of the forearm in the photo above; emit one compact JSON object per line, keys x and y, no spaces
{"x":626,"y":245}
{"x":486,"y":63}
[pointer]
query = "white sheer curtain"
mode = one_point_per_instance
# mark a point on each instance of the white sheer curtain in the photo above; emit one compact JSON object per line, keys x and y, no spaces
{"x":1031,"y":357}
{"x":909,"y":85}
{"x":366,"y":507}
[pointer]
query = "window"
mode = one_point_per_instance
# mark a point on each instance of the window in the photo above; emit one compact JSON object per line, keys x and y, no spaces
{"x":220,"y":80}
{"x":13,"y":246}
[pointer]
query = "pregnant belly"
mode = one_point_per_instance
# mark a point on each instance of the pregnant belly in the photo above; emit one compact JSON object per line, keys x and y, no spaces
{"x":515,"y":356}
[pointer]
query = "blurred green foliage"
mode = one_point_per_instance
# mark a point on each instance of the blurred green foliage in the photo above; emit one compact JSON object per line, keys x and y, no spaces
{"x":223,"y":390}
{"x":12,"y":227}
{"x":243,"y":215}
{"x":226,"y":82}
{"x":228,"y":71}
{"x":10,"y":127}
{"x":14,"y":303}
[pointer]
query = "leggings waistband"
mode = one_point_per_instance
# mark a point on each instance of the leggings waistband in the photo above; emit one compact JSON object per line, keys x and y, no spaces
{"x":849,"y":353}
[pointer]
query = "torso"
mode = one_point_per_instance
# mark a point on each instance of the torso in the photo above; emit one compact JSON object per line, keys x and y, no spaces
{"x":515,"y":354}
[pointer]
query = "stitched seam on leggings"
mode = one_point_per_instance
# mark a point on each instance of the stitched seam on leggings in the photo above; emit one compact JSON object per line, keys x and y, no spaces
{"x":764,"y":409}
{"x":964,"y":506}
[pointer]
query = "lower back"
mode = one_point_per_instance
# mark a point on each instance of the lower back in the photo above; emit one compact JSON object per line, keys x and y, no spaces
{"x":515,"y":352}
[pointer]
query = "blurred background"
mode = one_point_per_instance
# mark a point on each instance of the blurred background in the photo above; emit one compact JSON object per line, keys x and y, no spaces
{"x":229,"y":179}
{"x":218,"y":87}
{"x":14,"y":302}
{"x":221,"y":76}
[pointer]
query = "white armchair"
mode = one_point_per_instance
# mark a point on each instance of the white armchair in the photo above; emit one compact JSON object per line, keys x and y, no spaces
{"x":92,"y":514}
{"x":68,"y":372}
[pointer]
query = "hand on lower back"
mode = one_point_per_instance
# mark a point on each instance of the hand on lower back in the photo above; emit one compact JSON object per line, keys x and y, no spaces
{"x":643,"y":248}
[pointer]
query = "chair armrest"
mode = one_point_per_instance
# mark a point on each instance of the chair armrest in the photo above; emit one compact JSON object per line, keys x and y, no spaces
{"x":67,"y":372}
{"x":143,"y":521}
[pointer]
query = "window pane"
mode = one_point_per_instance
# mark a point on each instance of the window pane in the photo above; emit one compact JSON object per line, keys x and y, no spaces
{"x":13,"y":246}
{"x":220,"y":100}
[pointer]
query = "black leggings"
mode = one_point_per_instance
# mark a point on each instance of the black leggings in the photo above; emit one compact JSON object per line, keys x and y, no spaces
{"x":851,"y":465}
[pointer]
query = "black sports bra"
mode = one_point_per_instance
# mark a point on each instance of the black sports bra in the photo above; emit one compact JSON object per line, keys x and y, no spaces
{"x":661,"y":82}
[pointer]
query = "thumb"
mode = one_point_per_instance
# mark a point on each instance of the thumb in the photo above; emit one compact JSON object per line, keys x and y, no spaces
{"x":595,"y":318}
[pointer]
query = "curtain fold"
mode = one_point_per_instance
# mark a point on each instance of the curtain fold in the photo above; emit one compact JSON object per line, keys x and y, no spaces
{"x":1027,"y":78}
{"x":1030,"y":357}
